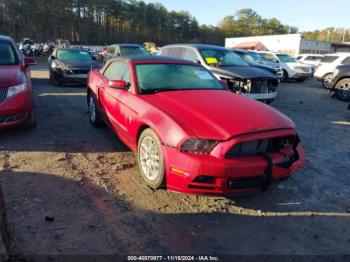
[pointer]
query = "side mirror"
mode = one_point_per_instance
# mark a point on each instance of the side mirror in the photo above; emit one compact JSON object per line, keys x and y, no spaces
{"x":29,"y":61}
{"x":118,"y":84}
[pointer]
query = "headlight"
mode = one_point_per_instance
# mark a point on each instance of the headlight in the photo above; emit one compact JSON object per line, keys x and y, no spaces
{"x":198,"y":146}
{"x":14,"y":90}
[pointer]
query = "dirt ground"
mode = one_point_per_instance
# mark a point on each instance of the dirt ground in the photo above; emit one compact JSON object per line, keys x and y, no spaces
{"x":70,"y":189}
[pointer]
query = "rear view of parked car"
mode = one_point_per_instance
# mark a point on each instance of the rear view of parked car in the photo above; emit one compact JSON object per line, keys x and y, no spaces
{"x":70,"y":65}
{"x":324,"y":72}
{"x":16,"y":101}
{"x":226,"y":65}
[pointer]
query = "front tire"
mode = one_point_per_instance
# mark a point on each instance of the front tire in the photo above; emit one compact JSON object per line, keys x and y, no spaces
{"x":54,"y":80}
{"x":151,"y":160}
{"x":342,"y":90}
{"x":327,"y":81}
{"x":285,"y":77}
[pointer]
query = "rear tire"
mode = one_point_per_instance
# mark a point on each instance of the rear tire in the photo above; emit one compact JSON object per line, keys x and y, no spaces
{"x":342,"y":89}
{"x":151,"y":160}
{"x":326,"y":82}
{"x":94,"y":114}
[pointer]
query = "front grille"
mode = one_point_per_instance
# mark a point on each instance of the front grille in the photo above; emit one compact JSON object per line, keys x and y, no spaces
{"x":259,"y":147}
{"x":259,"y":87}
{"x":3,"y":94}
{"x":81,"y":72}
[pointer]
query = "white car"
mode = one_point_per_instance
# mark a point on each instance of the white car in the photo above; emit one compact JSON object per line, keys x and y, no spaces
{"x":310,"y":59}
{"x":292,"y":68}
{"x":328,"y":64}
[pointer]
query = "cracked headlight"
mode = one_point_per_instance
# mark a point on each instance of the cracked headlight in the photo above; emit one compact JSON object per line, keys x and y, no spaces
{"x":198,"y":146}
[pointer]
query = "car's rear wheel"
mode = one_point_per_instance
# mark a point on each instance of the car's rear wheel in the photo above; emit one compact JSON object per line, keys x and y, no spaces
{"x":94,"y":114}
{"x":151,"y":160}
{"x":342,"y":89}
{"x":327,"y":83}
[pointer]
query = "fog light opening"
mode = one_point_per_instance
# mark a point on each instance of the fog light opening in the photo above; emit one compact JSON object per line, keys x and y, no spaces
{"x":205,"y":179}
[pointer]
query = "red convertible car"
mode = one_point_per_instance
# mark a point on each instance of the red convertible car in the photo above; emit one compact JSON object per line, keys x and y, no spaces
{"x":189,"y":132}
{"x":16,"y":102}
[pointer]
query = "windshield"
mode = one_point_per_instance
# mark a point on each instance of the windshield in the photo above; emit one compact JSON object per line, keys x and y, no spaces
{"x":287,"y":59}
{"x":74,"y":55}
{"x":153,"y":78}
{"x":255,"y":56}
{"x":222,"y":57}
{"x":269,"y":57}
{"x":131,"y":51}
{"x":329,"y":59}
{"x":7,"y":54}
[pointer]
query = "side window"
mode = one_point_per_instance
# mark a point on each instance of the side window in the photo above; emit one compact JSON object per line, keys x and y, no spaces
{"x":189,"y":54}
{"x":346,"y":61}
{"x":116,"y":71}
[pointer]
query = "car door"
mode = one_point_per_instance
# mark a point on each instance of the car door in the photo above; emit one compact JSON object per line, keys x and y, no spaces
{"x":113,"y":99}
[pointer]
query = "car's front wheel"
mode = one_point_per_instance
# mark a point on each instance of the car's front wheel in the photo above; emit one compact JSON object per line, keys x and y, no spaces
{"x":327,"y":81}
{"x":285,"y":76}
{"x":342,"y":89}
{"x":150,"y":159}
{"x":54,"y":80}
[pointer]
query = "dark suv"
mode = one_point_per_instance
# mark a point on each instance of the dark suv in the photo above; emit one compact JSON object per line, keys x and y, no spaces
{"x":341,"y":82}
{"x":225,"y":64}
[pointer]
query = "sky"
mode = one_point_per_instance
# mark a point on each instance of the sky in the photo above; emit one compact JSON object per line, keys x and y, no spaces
{"x":307,"y":15}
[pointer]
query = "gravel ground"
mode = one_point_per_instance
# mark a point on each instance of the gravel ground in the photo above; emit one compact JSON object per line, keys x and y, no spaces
{"x":70,"y":189}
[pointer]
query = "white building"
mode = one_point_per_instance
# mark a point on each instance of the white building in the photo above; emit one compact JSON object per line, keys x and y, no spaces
{"x":292,"y":44}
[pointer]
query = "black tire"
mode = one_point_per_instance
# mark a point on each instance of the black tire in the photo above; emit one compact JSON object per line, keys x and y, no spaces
{"x":157,"y":179}
{"x":31,"y":122}
{"x":326,"y":81}
{"x":94,"y":113}
{"x":285,"y":77}
{"x":54,"y":81}
{"x":342,"y":89}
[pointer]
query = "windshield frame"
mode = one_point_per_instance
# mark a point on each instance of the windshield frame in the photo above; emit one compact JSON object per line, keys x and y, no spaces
{"x":75,"y":51}
{"x":244,"y":63}
{"x":15,"y":54}
{"x":140,"y":92}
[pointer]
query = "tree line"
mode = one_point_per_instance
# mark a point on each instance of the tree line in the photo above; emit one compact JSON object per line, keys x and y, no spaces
{"x":103,"y":22}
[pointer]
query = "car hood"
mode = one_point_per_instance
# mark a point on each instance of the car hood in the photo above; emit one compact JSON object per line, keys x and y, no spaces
{"x":218,"y":115}
{"x":78,"y":63}
{"x":243,"y":72}
{"x":10,"y":76}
